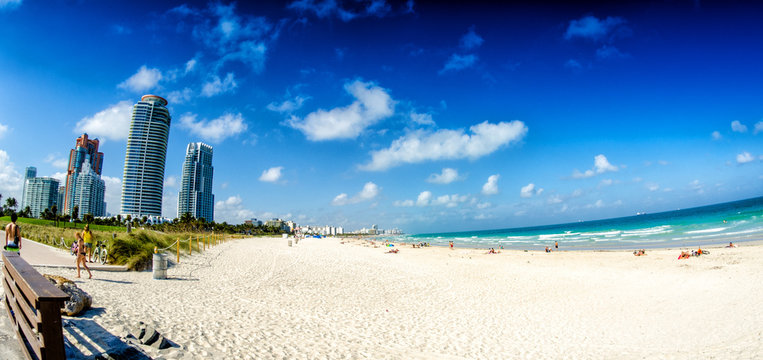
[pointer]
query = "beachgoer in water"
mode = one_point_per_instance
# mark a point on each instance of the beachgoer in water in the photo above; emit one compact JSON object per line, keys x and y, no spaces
{"x":548,"y":249}
{"x":81,"y":252}
{"x":13,"y":233}
{"x":731,"y":244}
{"x":451,"y":244}
{"x":556,"y":244}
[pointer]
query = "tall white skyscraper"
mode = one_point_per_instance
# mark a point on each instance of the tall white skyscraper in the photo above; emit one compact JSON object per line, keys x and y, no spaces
{"x":143,"y":180}
{"x":196,"y":196}
{"x":89,"y":192}
{"x":41,"y":193}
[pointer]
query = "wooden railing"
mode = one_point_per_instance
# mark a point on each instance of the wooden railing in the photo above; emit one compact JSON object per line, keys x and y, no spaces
{"x":34,"y":307}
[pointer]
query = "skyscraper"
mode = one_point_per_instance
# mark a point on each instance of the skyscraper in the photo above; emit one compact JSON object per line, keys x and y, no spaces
{"x":41,"y":193}
{"x":30,"y":172}
{"x":143,"y":180}
{"x":85,"y":151}
{"x":196,"y":196}
{"x":89,"y":192}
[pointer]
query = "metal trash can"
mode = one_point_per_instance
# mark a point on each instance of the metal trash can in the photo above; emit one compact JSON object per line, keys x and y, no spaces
{"x":289,"y":242}
{"x":160,"y":266}
{"x":296,"y":241}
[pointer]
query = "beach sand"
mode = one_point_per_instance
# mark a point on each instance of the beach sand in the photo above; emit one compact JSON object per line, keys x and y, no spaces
{"x":261,"y":299}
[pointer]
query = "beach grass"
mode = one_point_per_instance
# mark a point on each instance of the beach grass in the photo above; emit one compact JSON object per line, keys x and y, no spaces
{"x":135,"y":250}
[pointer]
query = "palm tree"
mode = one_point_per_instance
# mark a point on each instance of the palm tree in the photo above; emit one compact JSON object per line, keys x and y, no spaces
{"x":11,"y":203}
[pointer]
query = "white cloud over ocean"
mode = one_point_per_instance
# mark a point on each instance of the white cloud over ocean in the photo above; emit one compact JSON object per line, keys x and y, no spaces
{"x":600,"y":166}
{"x":369,"y":192}
{"x":425,"y":145}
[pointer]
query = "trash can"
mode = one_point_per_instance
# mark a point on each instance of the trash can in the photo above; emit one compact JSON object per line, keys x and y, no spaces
{"x":160,"y":266}
{"x":296,"y":241}
{"x":289,"y":242}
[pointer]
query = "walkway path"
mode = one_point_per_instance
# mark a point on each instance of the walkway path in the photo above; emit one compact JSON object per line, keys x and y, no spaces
{"x":38,"y":254}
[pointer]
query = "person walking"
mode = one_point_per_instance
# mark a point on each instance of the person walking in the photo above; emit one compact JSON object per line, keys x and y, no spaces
{"x":87,"y":236}
{"x":81,"y":255}
{"x":13,"y":234}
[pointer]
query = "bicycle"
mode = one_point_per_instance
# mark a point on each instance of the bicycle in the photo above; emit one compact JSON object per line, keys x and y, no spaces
{"x":100,"y":253}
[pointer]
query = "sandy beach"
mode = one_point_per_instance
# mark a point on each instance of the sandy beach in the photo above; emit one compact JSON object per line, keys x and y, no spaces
{"x":261,"y":299}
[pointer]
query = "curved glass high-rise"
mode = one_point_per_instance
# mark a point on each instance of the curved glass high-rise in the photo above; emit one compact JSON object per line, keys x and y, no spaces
{"x":195,"y":195}
{"x":143,"y":180}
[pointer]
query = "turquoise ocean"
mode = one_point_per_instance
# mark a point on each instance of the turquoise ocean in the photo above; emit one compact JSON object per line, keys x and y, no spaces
{"x":736,"y":221}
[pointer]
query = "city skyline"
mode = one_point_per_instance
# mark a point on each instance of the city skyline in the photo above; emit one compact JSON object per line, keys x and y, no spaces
{"x":413,"y":115}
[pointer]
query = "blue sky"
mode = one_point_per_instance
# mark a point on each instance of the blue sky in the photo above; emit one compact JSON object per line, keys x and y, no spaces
{"x":413,"y":115}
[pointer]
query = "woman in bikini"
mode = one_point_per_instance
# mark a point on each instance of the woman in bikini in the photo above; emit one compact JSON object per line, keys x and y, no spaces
{"x":81,"y":252}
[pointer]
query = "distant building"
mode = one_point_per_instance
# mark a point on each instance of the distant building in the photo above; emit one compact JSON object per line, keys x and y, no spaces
{"x":196,"y":196}
{"x":31,"y":172}
{"x":86,"y":153}
{"x":60,"y":202}
{"x":143,"y":180}
{"x":41,"y":193}
{"x":89,"y":193}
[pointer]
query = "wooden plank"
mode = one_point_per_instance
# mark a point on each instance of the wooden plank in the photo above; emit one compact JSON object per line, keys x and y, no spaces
{"x":10,"y":271}
{"x":31,"y":338}
{"x":51,"y":335}
{"x":42,"y":288}
{"x":28,"y":308}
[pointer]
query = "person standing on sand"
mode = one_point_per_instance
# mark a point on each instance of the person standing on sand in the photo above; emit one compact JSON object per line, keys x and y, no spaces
{"x":556,"y":245}
{"x":13,"y":233}
{"x":451,"y":245}
{"x":81,"y":255}
{"x":87,"y":236}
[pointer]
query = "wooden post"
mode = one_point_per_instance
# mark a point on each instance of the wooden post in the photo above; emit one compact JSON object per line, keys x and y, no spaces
{"x":178,"y":251}
{"x":190,"y":248}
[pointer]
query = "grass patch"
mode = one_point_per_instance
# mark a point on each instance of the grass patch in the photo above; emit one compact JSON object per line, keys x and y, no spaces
{"x":134,"y":250}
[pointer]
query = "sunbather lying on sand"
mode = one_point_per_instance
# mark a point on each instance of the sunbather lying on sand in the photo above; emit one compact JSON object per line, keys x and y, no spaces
{"x":684,"y":255}
{"x":393,"y":251}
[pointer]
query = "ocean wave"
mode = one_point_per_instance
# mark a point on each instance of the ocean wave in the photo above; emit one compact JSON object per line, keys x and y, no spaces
{"x":662,"y":229}
{"x":706,"y":231}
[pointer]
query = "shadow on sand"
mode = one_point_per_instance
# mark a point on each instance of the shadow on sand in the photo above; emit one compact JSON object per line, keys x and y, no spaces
{"x":95,"y":340}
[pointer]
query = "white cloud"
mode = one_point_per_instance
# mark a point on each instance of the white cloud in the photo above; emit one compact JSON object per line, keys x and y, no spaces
{"x":592,"y":28}
{"x":447,"y":176}
{"x":420,"y":145}
{"x":529,"y":190}
{"x":9,"y":4}
{"x":232,"y":210}
{"x":610,"y":52}
{"x":372,"y":104}
{"x":57,"y":161}
{"x":232,"y":36}
{"x":404,"y":203}
{"x":758,"y":127}
{"x":737,"y":126}
{"x":554,"y":199}
{"x":180,"y":96}
{"x":424,"y":198}
{"x":60,"y":176}
{"x":343,"y":11}
{"x":143,"y":80}
{"x":598,"y":204}
{"x":369,"y":192}
{"x":190,"y":65}
{"x":484,"y":205}
{"x":652,"y":187}
{"x":288,"y":106}
{"x":573,"y":64}
{"x":606,"y":182}
{"x":3,"y":130}
{"x":697,"y":186}
{"x":600,"y":164}
{"x":271,"y":175}
{"x":717,"y":135}
{"x":171,"y":182}
{"x":471,"y":40}
{"x":216,"y":86}
{"x":491,"y":186}
{"x":421,"y":119}
{"x":113,"y":195}
{"x":11,"y":180}
{"x":112,"y":123}
{"x":745,"y":157}
{"x":215,"y":130}
{"x":458,"y":62}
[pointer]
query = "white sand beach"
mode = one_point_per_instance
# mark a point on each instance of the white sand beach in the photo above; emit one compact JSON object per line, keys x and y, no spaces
{"x":260,"y":299}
